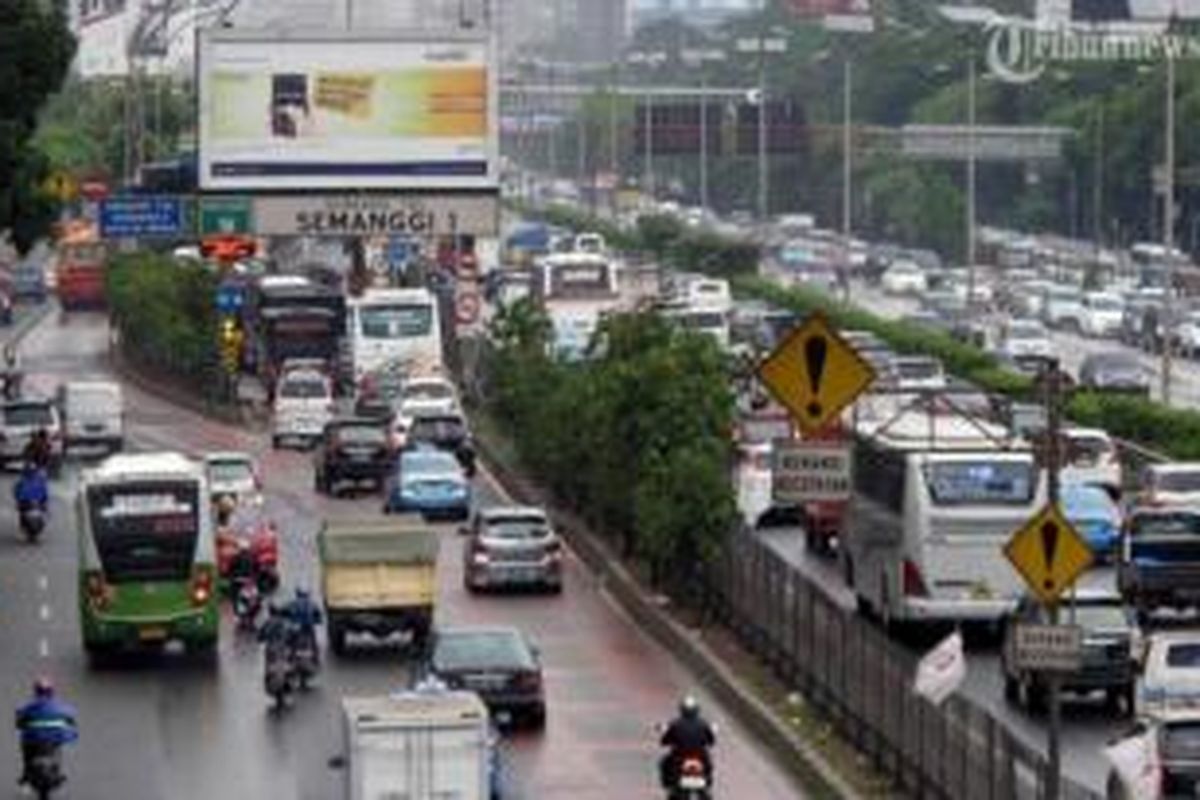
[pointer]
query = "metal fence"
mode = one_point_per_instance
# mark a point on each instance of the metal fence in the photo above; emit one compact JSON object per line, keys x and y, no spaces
{"x":862,"y":681}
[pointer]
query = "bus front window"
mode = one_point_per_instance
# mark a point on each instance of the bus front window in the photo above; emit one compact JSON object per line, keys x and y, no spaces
{"x":395,"y":322}
{"x":145,"y":532}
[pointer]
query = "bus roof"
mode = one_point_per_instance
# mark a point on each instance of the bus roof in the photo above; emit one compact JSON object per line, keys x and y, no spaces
{"x":916,"y":431}
{"x":575,"y":259}
{"x":143,"y":466}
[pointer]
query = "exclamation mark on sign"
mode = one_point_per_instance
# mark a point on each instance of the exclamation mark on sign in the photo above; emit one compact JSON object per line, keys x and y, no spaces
{"x":815,"y":350}
{"x":1049,"y":546}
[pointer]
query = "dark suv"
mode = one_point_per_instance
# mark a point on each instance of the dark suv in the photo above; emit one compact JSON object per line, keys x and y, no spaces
{"x":352,"y":449}
{"x":1108,"y":653}
{"x":445,"y":431}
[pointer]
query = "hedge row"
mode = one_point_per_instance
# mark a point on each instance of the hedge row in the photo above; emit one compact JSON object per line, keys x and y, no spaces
{"x":1173,"y":432}
{"x":635,"y":439}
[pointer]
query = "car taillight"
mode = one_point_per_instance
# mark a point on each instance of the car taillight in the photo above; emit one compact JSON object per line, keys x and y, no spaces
{"x":202,"y":585}
{"x":692,"y":767}
{"x":479,"y":553}
{"x":529,"y":681}
{"x":912,"y":581}
{"x":554,"y":549}
{"x":99,"y":594}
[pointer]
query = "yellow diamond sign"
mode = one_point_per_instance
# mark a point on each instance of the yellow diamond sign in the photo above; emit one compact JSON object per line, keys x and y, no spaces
{"x":1049,"y":554}
{"x":815,"y":374}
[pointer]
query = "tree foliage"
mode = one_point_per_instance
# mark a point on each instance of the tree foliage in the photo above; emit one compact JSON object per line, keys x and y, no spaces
{"x":36,"y":48}
{"x":636,"y":439}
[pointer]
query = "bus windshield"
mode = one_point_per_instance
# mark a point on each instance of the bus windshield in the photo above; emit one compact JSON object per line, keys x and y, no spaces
{"x":395,"y":321}
{"x":568,"y":281}
{"x":956,"y":483}
{"x":145,"y":531}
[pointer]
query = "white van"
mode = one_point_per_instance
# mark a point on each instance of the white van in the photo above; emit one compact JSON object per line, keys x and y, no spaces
{"x":93,"y":414}
{"x":303,"y":405}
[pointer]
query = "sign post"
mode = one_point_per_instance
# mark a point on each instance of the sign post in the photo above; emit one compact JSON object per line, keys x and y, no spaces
{"x":809,"y":471}
{"x":1051,"y":555}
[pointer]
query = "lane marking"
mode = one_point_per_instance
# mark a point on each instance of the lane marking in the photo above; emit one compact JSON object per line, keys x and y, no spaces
{"x":43,"y":583}
{"x":44,"y":612}
{"x":44,"y":648}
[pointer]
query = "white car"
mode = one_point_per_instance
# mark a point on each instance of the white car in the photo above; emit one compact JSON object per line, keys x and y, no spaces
{"x":1025,"y":338}
{"x":1170,"y":678}
{"x":1062,"y":307}
{"x":1090,"y":457}
{"x":232,"y":474}
{"x":1102,"y":315}
{"x":422,"y":396}
{"x":1172,"y":484}
{"x":1188,"y":331}
{"x":914,"y":373}
{"x":303,"y":405}
{"x":20,"y":419}
{"x":904,"y":277}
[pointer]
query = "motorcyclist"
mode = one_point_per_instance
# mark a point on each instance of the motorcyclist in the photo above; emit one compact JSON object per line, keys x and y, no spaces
{"x":276,"y":630}
{"x":226,"y":505}
{"x":31,"y":490}
{"x":11,"y":372}
{"x":38,"y":450}
{"x":45,"y":724}
{"x":688,"y":734}
{"x":305,"y":615}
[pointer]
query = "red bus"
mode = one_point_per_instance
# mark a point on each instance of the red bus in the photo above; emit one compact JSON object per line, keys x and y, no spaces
{"x":79,"y":273}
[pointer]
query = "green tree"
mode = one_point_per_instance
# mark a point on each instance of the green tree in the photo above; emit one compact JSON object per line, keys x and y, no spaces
{"x":36,"y":48}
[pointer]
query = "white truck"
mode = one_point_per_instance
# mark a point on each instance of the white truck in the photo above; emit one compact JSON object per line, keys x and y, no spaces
{"x":427,"y":744}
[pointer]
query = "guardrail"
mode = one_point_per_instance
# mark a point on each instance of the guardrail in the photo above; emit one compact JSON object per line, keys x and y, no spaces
{"x":862,"y":681}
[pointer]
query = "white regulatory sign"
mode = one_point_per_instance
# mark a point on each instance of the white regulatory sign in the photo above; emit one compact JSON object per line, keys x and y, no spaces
{"x":438,"y":214}
{"x":1051,"y":648}
{"x":810,"y":471}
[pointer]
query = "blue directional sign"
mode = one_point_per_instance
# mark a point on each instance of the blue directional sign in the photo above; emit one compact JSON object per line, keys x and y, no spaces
{"x":129,"y":217}
{"x":230,"y":297}
{"x":400,"y":250}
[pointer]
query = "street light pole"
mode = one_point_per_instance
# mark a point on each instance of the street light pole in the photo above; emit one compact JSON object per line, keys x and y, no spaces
{"x":971,"y":165}
{"x":847,"y":144}
{"x":1169,"y":232}
{"x":763,"y":188}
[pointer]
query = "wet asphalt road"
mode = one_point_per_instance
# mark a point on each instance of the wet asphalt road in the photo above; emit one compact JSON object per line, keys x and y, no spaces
{"x":163,"y":727}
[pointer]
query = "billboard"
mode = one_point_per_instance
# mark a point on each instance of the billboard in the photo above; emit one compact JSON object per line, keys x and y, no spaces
{"x":361,"y":110}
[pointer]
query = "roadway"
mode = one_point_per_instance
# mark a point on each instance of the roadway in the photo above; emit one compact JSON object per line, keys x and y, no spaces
{"x":166,"y":727}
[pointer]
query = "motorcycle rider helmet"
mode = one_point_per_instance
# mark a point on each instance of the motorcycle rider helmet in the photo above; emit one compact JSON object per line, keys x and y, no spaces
{"x":275,"y":608}
{"x":689,"y":708}
{"x":302,"y":593}
{"x":43,"y":687}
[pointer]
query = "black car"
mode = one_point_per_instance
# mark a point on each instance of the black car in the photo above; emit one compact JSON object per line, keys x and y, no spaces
{"x":1108,"y":661}
{"x":497,"y":663}
{"x":445,"y":431}
{"x":355,"y":450}
{"x":1114,"y":372}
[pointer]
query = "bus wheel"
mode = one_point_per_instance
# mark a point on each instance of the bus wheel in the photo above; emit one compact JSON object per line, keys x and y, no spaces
{"x":98,"y":655}
{"x":206,"y":653}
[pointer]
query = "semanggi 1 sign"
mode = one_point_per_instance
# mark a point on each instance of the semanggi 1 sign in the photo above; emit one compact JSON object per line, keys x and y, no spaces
{"x":810,"y":471}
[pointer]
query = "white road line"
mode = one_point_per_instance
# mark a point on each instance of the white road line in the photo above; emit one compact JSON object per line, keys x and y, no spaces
{"x":43,"y":583}
{"x":44,"y":612}
{"x":44,"y":648}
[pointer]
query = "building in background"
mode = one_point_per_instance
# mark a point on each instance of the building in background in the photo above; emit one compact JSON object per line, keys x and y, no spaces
{"x":698,"y":13}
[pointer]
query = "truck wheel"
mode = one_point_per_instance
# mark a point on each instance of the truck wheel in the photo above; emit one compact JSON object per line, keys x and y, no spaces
{"x":1012,"y":689}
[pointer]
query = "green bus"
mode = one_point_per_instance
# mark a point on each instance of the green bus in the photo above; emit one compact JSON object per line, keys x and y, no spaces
{"x":147,"y":555}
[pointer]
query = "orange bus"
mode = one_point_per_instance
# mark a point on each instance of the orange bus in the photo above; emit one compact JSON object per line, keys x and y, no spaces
{"x":79,"y":274}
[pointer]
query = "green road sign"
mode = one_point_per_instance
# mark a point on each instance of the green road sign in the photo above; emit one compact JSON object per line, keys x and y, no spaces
{"x":225,"y":215}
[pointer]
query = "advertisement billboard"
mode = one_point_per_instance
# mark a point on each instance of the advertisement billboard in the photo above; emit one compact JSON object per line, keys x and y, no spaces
{"x":361,"y":110}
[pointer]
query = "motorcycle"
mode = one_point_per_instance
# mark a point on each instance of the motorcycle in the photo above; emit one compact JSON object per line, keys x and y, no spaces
{"x":45,"y":772}
{"x":691,"y":782}
{"x":32,"y":520}
{"x":278,"y":675}
{"x":247,"y":603}
{"x":264,"y":547}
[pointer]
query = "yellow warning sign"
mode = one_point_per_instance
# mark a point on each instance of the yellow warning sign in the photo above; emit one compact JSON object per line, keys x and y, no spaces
{"x":61,"y":186}
{"x":1049,"y":554}
{"x":815,"y":374}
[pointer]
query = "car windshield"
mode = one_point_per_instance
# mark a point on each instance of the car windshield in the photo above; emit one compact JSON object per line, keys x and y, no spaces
{"x":230,"y":472}
{"x":303,"y":388}
{"x":513,"y":529}
{"x":1179,"y":523}
{"x":429,"y":461}
{"x":1185,"y":655}
{"x":1087,"y":501}
{"x":1116,"y":364}
{"x":28,"y":414}
{"x":437,"y":428}
{"x":361,"y":434}
{"x":1181,"y":740}
{"x":395,"y":321}
{"x":481,"y":650}
{"x":428,"y":391}
{"x":1087,"y":449}
{"x":1179,"y":481}
{"x":1105,"y":303}
{"x":1026,"y":330}
{"x":1096,"y":615}
{"x":980,"y":482}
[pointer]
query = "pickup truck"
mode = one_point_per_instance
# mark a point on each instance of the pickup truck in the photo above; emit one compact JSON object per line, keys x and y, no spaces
{"x":424,"y":744}
{"x":378,"y":577}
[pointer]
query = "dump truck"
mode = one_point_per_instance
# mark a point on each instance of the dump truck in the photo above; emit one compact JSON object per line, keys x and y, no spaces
{"x":378,"y":577}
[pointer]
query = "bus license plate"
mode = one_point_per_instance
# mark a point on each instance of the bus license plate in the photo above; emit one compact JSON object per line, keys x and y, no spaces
{"x":152,"y":634}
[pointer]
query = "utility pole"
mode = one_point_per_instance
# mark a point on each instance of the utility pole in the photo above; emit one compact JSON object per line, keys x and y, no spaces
{"x":847,"y":146}
{"x":1168,"y":326}
{"x":1053,"y":385}
{"x":648,"y":163}
{"x":971,"y":164}
{"x":764,"y":193}
{"x":1098,"y":183}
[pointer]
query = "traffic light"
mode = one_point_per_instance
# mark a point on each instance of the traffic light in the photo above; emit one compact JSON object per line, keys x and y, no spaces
{"x":230,"y":338}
